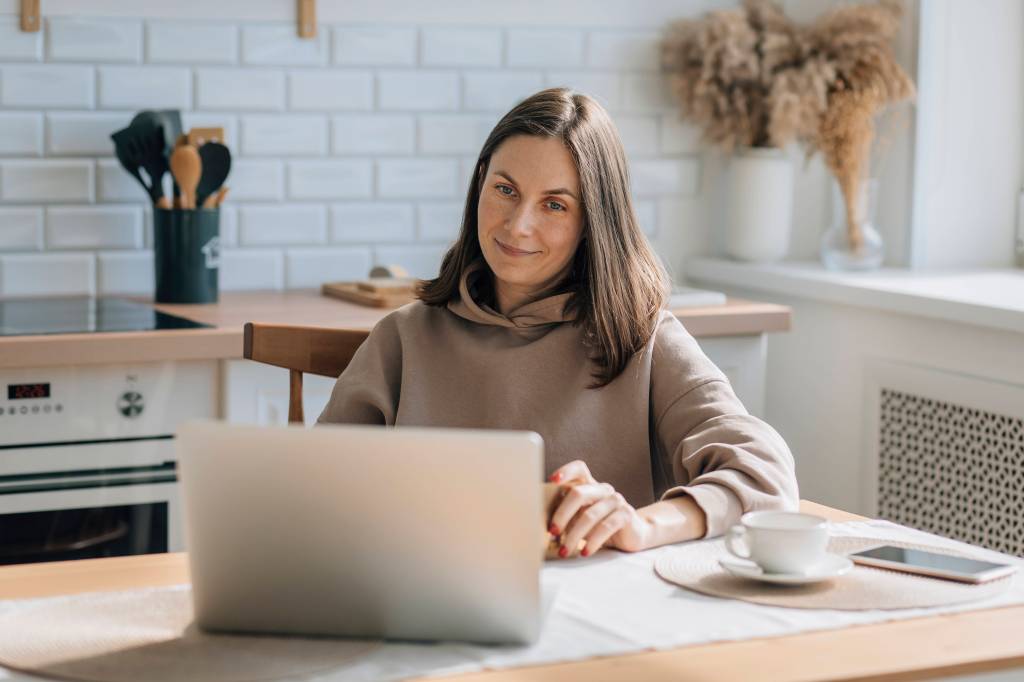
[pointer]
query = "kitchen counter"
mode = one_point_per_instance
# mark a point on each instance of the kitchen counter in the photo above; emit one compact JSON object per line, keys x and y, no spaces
{"x":301,"y":307}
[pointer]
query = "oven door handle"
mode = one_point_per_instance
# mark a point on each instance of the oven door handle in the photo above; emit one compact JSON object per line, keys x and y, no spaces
{"x":67,"y":546}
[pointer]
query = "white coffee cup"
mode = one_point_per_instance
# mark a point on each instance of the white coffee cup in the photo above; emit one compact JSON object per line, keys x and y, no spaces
{"x":779,"y":541}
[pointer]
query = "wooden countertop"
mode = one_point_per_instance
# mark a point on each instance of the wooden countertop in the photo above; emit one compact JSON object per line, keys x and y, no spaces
{"x":299,"y":307}
{"x":912,"y":649}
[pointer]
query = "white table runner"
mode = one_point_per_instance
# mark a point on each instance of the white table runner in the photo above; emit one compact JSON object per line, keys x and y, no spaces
{"x":614,"y":603}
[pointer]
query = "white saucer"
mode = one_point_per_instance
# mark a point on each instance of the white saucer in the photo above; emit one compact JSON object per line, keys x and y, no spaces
{"x":832,"y":566}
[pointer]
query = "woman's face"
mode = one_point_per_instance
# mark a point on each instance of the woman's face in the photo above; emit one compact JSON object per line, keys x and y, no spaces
{"x":530,"y":217}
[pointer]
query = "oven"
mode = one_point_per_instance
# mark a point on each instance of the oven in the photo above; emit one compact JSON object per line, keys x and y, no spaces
{"x":87,"y":462}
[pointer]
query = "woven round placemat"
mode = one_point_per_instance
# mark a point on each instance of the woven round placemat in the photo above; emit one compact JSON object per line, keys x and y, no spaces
{"x":149,"y":635}
{"x":696,"y":568}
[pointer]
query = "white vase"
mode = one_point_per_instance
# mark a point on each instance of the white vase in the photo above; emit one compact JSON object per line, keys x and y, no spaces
{"x":760,"y":205}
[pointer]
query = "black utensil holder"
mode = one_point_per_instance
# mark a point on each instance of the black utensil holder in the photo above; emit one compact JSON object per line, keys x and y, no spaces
{"x":186,"y":254}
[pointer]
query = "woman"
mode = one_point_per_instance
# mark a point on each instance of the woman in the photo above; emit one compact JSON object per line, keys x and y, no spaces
{"x":548,"y":315}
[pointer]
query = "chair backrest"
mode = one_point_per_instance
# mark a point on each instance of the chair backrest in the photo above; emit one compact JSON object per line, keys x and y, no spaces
{"x":313,"y":350}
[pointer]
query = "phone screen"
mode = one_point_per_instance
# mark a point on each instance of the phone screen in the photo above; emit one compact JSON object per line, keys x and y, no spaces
{"x":917,"y":557}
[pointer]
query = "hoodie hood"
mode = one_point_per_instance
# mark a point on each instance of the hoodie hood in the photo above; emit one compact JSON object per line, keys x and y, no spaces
{"x":548,"y":310}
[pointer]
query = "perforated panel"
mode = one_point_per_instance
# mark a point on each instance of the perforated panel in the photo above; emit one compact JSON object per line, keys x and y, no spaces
{"x":952,"y":470}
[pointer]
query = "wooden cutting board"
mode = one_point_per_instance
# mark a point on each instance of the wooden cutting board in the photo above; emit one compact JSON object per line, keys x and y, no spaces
{"x":383,"y":298}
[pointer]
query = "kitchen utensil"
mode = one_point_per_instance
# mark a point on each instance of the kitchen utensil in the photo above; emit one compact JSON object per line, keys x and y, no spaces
{"x":171,"y":119}
{"x":200,"y":136}
{"x":141,"y":145}
{"x":216,"y":161}
{"x":186,"y":167}
{"x":350,"y":291}
{"x":215,"y":199}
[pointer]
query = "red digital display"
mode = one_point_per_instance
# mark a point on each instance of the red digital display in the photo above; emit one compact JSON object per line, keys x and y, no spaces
{"x":19,"y":391}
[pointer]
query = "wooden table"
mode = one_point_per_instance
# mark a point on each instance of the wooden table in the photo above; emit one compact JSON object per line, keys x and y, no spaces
{"x":915,"y":649}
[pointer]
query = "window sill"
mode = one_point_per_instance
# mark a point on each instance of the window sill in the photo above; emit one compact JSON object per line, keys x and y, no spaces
{"x":985,"y":297}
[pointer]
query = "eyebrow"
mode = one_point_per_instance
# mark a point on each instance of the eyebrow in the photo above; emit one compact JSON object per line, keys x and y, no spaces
{"x":560,"y":190}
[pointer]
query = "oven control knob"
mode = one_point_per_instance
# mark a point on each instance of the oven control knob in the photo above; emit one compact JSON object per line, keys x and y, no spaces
{"x":130,"y":404}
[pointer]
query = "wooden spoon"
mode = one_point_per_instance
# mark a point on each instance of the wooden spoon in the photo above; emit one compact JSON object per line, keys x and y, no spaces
{"x":187,"y":168}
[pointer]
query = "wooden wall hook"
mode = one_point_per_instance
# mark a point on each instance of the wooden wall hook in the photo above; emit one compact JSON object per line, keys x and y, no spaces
{"x":307,"y":18}
{"x":30,"y":16}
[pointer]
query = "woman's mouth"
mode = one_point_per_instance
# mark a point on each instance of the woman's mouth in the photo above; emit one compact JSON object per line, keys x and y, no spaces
{"x":511,"y":251}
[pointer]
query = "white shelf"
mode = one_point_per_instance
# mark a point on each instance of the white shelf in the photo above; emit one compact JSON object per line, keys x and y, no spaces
{"x":984,"y":297}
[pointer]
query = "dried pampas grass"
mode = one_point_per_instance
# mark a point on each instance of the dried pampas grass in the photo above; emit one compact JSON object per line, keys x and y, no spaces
{"x":750,"y":77}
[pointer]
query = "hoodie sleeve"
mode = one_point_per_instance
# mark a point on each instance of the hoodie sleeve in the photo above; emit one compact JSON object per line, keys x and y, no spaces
{"x":727,"y":460}
{"x":368,"y":389}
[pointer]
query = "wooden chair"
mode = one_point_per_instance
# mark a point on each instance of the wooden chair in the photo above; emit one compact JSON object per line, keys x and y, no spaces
{"x":312,"y":350}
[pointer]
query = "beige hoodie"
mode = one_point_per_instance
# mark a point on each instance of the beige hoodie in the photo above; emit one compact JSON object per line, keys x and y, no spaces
{"x":669,"y":425}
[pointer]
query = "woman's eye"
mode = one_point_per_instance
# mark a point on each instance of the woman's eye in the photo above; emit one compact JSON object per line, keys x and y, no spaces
{"x":502,"y":188}
{"x":555,"y":203}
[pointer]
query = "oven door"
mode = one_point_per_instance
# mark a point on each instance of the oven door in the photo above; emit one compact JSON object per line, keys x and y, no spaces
{"x":57,"y":516}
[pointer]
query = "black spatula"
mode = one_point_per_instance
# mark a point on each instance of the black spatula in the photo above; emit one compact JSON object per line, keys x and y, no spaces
{"x":216,"y":165}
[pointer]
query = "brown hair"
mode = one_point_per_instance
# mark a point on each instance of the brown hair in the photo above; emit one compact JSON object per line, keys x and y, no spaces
{"x":618,"y":285}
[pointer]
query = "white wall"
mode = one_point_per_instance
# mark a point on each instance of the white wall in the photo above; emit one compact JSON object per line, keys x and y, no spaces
{"x":970,"y":164}
{"x":350,"y":149}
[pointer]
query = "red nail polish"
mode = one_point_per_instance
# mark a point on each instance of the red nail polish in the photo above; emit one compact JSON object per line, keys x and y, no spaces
{"x":563,"y":552}
{"x":556,"y":477}
{"x":553,"y":529}
{"x":585,"y":552}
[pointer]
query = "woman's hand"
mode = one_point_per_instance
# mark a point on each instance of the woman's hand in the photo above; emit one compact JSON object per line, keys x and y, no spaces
{"x":595,"y":512}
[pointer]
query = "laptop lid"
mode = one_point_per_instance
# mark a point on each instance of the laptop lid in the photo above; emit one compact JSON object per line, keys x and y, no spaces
{"x":404,"y":533}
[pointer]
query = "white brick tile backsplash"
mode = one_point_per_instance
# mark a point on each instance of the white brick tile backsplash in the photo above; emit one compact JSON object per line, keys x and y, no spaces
{"x":207,"y":119}
{"x":628,"y":50}
{"x":641,"y":92}
{"x":94,"y":227}
{"x":93,"y":40}
{"x":47,"y":85}
{"x":228,"y":225}
{"x":125,"y":272}
{"x":658,"y":177}
{"x":251,"y":269}
{"x":498,"y":91}
{"x":319,"y":90}
{"x":415,"y":178}
{"x":333,"y":179}
{"x":440,"y":221}
{"x":467,"y":166}
{"x":281,"y":44}
{"x":191,"y":42}
{"x":418,"y":90}
{"x":307,"y":268}
{"x":370,"y":46}
{"x":420,"y":261}
{"x":239,"y":89}
{"x":17,"y":45}
{"x":279,"y":135}
{"x":606,"y":88}
{"x":678,"y":136}
{"x":21,"y":134}
{"x":373,"y":134}
{"x":46,"y":180}
{"x":454,"y":133}
{"x":368,"y":222}
{"x":639,"y":134}
{"x":647,"y":216}
{"x":113,"y":183}
{"x":149,"y":87}
{"x":85,"y":133}
{"x":560,"y":48}
{"x":282,"y":224}
{"x":21,"y":229}
{"x":256,"y":180}
{"x":48,"y":274}
{"x":460,"y":47}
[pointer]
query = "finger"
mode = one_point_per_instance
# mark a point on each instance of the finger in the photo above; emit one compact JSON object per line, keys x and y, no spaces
{"x":584,"y":522}
{"x":574,"y":470}
{"x":576,"y":497}
{"x":607,"y":527}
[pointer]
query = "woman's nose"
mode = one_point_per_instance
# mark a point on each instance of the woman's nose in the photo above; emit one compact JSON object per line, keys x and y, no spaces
{"x":521,"y":221}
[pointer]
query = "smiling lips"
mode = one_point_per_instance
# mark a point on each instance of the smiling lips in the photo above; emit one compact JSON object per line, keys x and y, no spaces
{"x":513,"y":251}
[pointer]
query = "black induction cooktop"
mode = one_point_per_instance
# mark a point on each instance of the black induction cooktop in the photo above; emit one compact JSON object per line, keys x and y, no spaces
{"x":80,"y":315}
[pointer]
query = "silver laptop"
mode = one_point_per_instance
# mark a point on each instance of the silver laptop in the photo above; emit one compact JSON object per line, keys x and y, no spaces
{"x":403,"y":533}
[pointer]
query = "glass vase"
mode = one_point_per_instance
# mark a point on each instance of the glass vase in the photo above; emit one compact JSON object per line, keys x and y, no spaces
{"x":856,"y":247}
